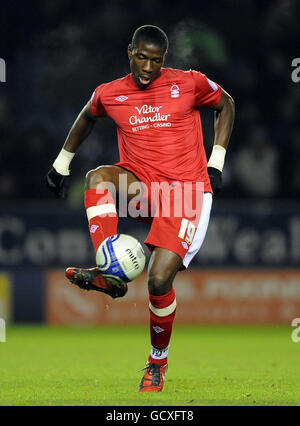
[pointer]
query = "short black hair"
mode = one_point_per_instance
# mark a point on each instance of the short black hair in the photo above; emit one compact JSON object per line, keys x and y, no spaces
{"x":152,"y":35}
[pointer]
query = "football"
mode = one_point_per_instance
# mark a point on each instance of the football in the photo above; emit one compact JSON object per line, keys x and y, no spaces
{"x":120,"y":258}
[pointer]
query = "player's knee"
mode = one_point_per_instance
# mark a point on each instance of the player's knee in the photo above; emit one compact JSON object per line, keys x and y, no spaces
{"x":159,"y":283}
{"x":96,"y":177}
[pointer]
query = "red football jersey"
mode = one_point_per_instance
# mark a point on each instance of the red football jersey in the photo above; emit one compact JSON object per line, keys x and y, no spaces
{"x":159,"y":128}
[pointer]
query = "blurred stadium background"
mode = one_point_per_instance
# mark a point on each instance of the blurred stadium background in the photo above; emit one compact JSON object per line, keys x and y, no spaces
{"x":56,"y":53}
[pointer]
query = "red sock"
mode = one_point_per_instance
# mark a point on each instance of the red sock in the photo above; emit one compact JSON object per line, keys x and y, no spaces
{"x":102,"y":215}
{"x":162,"y":314}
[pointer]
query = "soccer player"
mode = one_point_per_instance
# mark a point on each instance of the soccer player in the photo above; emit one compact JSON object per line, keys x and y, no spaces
{"x":160,"y":140}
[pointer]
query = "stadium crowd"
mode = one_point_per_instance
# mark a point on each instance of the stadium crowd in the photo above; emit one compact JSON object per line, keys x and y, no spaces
{"x":57,"y":52}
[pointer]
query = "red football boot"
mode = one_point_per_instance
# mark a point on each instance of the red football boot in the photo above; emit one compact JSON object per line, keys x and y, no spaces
{"x":154,"y":378}
{"x":91,"y":279}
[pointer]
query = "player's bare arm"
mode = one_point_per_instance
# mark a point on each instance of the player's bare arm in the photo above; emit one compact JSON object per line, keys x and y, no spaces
{"x":224,"y":119}
{"x":225,"y":113}
{"x":81,"y":129}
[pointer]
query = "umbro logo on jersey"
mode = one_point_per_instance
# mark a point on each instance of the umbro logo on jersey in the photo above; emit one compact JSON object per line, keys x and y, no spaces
{"x":121,"y":98}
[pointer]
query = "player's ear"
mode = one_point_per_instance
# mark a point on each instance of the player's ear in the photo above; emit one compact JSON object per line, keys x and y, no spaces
{"x":129,"y":51}
{"x":164,"y":57}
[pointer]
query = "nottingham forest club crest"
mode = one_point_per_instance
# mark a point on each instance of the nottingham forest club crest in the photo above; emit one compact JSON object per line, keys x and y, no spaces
{"x":175,"y":91}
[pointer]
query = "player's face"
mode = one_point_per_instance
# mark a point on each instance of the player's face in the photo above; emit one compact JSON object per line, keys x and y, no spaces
{"x":146,"y":61}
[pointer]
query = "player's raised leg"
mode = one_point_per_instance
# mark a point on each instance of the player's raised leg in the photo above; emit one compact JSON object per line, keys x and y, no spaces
{"x":163,"y":267}
{"x":102,"y":188}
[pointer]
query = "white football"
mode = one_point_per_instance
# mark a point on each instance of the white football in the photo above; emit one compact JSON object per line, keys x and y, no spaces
{"x":120,"y":258}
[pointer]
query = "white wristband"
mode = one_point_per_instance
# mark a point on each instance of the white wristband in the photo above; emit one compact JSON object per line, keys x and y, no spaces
{"x":61,"y":164}
{"x":217,"y":157}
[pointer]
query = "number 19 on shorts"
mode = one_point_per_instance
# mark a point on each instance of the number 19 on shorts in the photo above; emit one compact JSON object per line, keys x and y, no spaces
{"x":187,"y":231}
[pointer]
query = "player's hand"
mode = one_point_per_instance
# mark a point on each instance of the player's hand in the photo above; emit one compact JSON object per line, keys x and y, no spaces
{"x":57,"y":183}
{"x":215,"y":177}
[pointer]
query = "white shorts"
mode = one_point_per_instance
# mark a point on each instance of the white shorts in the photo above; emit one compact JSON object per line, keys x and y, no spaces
{"x":201,"y":230}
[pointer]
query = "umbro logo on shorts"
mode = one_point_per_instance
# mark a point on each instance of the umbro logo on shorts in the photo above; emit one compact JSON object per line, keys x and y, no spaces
{"x":121,"y":98}
{"x":185,"y":245}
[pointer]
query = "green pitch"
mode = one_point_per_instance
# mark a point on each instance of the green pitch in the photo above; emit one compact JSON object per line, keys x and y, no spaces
{"x":99,"y":366}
